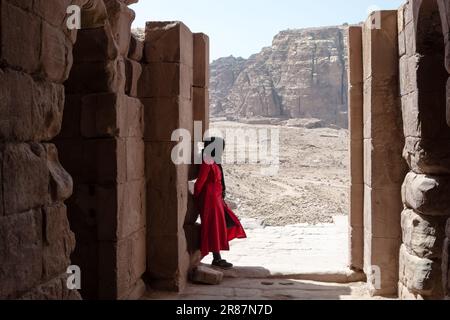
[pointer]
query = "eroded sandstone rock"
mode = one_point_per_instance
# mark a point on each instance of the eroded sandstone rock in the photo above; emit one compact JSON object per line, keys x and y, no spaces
{"x":427,"y":194}
{"x":427,"y":156}
{"x":55,"y":289}
{"x":446,"y":267}
{"x":20,"y":252}
{"x":287,"y":79}
{"x":207,"y":275}
{"x":423,"y":235}
{"x":170,"y":42}
{"x":120,"y":18}
{"x":25,"y":177}
{"x":136,"y":50}
{"x":421,"y":276}
{"x":30,"y":110}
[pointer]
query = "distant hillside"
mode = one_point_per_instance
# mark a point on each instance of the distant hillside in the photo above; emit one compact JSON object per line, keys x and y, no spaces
{"x":302,"y":75}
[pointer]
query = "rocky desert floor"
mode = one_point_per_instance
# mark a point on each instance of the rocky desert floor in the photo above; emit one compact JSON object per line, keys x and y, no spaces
{"x":311,"y":185}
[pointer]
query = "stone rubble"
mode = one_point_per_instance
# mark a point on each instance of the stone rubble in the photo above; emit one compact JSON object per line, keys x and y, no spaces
{"x":205,"y":275}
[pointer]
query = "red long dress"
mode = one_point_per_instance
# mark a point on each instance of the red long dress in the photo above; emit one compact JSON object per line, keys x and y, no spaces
{"x":219,"y":224}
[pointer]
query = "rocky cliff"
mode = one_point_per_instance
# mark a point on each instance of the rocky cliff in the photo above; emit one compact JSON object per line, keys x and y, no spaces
{"x":302,"y":75}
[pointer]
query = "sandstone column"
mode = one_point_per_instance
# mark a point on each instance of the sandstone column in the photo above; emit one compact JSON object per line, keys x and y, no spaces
{"x":200,"y":104}
{"x":384,"y":168}
{"x":425,"y":189}
{"x":444,"y":8}
{"x":201,"y":79}
{"x":166,"y":91}
{"x":101,"y":145}
{"x":355,"y":76}
{"x":446,"y":262}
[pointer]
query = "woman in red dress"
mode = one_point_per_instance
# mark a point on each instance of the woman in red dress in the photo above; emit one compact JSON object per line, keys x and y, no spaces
{"x":219,"y":224}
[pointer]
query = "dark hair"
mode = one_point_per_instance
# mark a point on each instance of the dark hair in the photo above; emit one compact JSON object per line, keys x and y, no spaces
{"x":211,"y":141}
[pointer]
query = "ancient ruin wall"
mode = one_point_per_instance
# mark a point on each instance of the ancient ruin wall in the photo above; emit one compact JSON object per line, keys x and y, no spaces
{"x":425,"y":190}
{"x":444,"y":9}
{"x":82,"y":91}
{"x":35,"y":238}
{"x":384,"y":168}
{"x":101,"y":146}
{"x":174,"y":91}
{"x":419,"y":67}
{"x":356,"y":124}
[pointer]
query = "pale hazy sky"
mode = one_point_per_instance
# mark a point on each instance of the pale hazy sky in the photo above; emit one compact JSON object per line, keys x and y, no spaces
{"x":244,"y":27}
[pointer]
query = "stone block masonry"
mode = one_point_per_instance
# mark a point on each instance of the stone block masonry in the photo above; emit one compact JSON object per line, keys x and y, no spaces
{"x":174,"y":90}
{"x":405,"y":111}
{"x":446,"y":261}
{"x":90,"y":92}
{"x":101,"y":145}
{"x":165,"y":89}
{"x":384,"y":167}
{"x":423,"y":26}
{"x":444,"y":9}
{"x":356,"y":225}
{"x":35,"y":238}
{"x":200,"y":93}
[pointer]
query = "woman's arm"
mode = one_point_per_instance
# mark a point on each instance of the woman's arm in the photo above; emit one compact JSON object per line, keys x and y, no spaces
{"x":201,"y":180}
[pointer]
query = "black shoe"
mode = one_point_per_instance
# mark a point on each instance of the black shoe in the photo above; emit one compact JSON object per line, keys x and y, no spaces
{"x":223,"y":264}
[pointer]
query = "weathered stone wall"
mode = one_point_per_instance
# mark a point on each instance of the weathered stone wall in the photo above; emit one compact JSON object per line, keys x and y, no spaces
{"x":423,"y":80}
{"x":101,"y":146}
{"x":174,"y":91}
{"x":82,"y":91}
{"x":406,"y":49}
{"x":444,"y":8}
{"x":446,"y":262}
{"x":201,"y":113}
{"x":35,"y":238}
{"x":384,"y":168}
{"x":100,"y":143}
{"x":356,"y":125}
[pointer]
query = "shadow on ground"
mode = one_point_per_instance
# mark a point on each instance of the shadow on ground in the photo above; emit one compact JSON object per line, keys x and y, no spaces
{"x":255,"y":283}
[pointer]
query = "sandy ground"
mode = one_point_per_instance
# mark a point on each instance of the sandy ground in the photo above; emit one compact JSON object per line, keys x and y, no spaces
{"x":269,"y":289}
{"x":311,"y":185}
{"x":295,"y":251}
